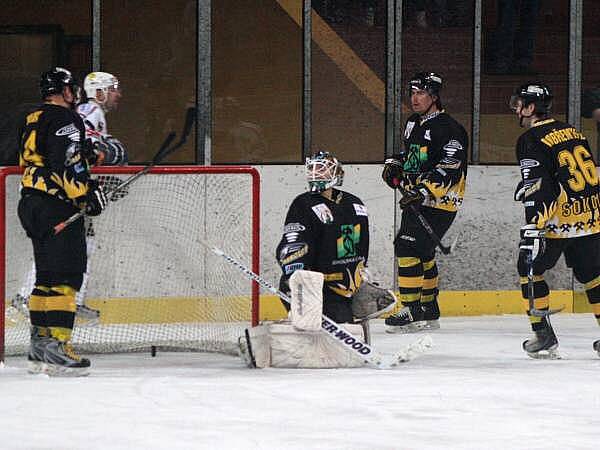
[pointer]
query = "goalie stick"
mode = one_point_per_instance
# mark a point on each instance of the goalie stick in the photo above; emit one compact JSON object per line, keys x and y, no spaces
{"x":162,"y":153}
{"x":335,"y":331}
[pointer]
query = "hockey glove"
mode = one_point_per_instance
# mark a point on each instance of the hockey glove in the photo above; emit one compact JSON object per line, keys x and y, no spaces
{"x":393,"y":172}
{"x":533,"y":240}
{"x":93,"y":152}
{"x":414,"y":196}
{"x":114,"y":152}
{"x":95,"y":200}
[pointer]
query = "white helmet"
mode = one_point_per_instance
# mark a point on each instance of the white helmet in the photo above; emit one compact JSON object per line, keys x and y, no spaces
{"x":99,"y":80}
{"x":323,"y":171}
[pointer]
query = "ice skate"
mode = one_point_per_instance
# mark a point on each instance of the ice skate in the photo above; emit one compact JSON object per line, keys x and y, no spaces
{"x":431,"y":314}
{"x":35,"y":356}
{"x":544,"y":345}
{"x":597,"y":346}
{"x":60,"y":359}
{"x":410,"y":319}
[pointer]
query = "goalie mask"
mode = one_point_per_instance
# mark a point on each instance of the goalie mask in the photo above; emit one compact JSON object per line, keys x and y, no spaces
{"x":102,"y":81}
{"x":323,"y":171}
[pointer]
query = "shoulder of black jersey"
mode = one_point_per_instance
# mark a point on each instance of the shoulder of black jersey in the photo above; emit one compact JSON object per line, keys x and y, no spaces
{"x":413,"y":118}
{"x":348,"y":197}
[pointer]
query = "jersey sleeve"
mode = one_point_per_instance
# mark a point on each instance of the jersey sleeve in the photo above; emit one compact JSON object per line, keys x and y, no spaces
{"x":448,"y":171}
{"x":93,"y":120}
{"x":296,"y":249}
{"x":537,"y":190}
{"x":65,"y":159}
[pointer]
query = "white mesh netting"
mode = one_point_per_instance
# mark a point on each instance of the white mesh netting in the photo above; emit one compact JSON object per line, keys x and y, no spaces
{"x":153,"y":282}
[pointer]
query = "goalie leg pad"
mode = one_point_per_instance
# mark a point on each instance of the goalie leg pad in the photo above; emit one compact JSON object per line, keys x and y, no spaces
{"x":281,"y":345}
{"x":307,"y":300}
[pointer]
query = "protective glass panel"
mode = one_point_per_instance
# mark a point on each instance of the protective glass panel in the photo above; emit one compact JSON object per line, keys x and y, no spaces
{"x":257,"y":81}
{"x":348,"y":78}
{"x":522,"y":41}
{"x":438,"y":37}
{"x":33,"y":38}
{"x":154,"y":56}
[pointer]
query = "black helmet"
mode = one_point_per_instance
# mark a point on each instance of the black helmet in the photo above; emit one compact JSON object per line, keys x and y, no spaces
{"x":426,"y":81}
{"x":53,"y":82}
{"x":537,"y":93}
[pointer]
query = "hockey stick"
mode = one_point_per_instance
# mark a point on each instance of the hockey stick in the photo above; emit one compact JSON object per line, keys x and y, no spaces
{"x":530,"y":284}
{"x":162,"y":153}
{"x":446,"y":250}
{"x":335,"y":331}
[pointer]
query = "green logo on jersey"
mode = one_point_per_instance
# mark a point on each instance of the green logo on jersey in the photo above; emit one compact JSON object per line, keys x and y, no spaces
{"x":348,"y":241}
{"x":416,"y":157}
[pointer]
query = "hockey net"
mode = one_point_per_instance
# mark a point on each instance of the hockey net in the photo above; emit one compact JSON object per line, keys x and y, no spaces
{"x":154,"y":284}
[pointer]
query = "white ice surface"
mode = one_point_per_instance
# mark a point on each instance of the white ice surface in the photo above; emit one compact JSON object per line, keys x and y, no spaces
{"x":476,"y":389}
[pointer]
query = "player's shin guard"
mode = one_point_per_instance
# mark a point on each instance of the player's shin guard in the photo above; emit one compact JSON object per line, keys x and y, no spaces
{"x":410,"y":284}
{"x":59,"y":356}
{"x":431,"y":310}
{"x":40,"y":333}
{"x":541,"y":294}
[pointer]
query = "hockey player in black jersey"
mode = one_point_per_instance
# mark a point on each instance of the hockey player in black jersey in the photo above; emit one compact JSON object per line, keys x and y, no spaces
{"x":559,"y":190}
{"x":326,"y":230}
{"x":431,"y":174}
{"x":56,"y":184}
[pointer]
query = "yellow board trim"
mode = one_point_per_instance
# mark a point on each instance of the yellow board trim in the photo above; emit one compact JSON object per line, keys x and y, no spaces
{"x":186,"y":309}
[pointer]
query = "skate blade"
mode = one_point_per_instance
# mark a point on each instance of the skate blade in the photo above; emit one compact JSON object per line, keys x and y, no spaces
{"x":545,"y":354}
{"x":414,"y":327}
{"x":85,"y":322}
{"x":432,"y":325}
{"x":35,"y":367}
{"x":54,"y":370}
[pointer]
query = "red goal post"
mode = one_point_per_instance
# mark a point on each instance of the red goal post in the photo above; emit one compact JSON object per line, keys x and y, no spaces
{"x":153,"y":284}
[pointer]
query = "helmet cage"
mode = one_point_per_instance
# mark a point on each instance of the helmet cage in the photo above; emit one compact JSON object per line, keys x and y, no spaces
{"x":323,"y":171}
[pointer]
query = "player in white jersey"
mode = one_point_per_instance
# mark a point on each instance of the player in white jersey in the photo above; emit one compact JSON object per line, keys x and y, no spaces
{"x":104,"y":93}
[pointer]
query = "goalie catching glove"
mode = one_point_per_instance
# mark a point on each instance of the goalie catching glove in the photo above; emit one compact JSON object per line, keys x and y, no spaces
{"x":370,"y":301}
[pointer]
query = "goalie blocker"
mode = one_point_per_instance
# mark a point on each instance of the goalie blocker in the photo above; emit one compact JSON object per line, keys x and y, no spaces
{"x":299,"y":341}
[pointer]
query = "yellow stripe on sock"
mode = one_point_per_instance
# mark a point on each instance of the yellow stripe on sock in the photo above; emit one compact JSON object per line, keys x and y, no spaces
{"x":427,"y":265}
{"x":410,"y":282}
{"x":37,"y":303}
{"x":539,"y":303}
{"x":596,"y":309}
{"x":61,"y":303}
{"x":409,"y":297}
{"x":408,"y":261}
{"x":430,"y":283}
{"x":61,"y":334}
